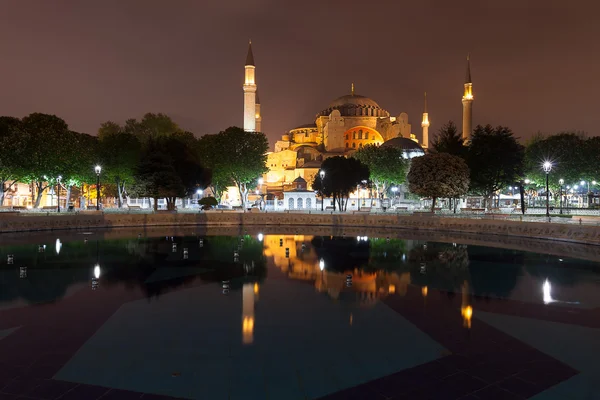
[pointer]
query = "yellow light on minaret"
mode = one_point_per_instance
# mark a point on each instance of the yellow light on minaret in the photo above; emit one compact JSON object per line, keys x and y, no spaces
{"x":467,"y":101}
{"x":425,"y":125}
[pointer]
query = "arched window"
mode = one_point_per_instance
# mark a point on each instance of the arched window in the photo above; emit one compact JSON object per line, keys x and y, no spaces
{"x":360,"y":145}
{"x":354,"y":135}
{"x":347,"y":136}
{"x":360,"y":134}
{"x":366,"y":135}
{"x":299,"y":203}
{"x":347,"y":145}
{"x":353,"y":145}
{"x":308,"y":203}
{"x":291,"y":203}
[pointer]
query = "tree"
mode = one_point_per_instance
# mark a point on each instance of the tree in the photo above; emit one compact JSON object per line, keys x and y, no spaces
{"x":342,"y":176}
{"x":12,"y":151}
{"x":48,"y":150}
{"x":212,"y":155}
{"x":495,"y":159}
{"x":237,"y":156}
{"x":448,"y":140}
{"x":569,"y":153}
{"x":168,"y":169}
{"x":438,"y":175}
{"x":120,"y":152}
{"x":152,"y":126}
{"x":80,"y":156}
{"x":386,"y":165}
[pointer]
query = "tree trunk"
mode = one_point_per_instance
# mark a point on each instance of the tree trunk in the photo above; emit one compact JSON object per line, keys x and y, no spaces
{"x":155,"y":204}
{"x":40,"y":190}
{"x":119,"y":192}
{"x":2,"y":193}
{"x":68,"y":197}
{"x":333,"y":195}
{"x":433,"y":204}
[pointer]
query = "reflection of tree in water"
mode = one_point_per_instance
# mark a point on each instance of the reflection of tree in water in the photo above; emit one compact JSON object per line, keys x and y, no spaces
{"x":386,"y":254}
{"x":341,"y":253}
{"x":494,"y":272}
{"x":213,"y":261}
{"x":439,"y":265}
{"x":130,"y":261}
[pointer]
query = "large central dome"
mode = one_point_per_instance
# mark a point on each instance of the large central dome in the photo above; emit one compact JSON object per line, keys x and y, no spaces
{"x":354,"y":105}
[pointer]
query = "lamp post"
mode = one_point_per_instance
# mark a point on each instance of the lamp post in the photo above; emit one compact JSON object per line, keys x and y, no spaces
{"x":322,"y":175}
{"x":98,"y":170}
{"x":561,"y":182}
{"x":58,"y":193}
{"x":547,"y":166}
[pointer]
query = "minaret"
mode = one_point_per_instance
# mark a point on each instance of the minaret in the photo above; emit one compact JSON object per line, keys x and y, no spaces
{"x":249,"y":92}
{"x":258,"y":116}
{"x":467,"y":102}
{"x":425,"y":125}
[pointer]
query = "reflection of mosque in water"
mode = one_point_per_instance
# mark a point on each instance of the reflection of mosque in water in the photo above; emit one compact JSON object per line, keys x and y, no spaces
{"x":295,"y":256}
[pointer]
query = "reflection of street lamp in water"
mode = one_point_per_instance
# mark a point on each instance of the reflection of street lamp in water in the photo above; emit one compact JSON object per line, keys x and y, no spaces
{"x":249,"y":291}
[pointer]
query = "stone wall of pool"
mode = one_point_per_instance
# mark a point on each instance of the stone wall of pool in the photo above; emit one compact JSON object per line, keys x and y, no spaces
{"x":86,"y":221}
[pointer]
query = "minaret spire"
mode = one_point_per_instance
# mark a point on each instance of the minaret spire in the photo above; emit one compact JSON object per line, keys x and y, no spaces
{"x":352,"y":89}
{"x":251,"y":111}
{"x":425,"y":125}
{"x":250,"y":56}
{"x":468,"y":77}
{"x":467,"y":101}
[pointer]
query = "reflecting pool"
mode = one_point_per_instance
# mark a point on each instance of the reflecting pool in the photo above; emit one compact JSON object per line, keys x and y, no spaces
{"x":251,"y":314}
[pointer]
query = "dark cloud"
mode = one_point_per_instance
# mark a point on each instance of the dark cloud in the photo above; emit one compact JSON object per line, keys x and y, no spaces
{"x":534,"y":63}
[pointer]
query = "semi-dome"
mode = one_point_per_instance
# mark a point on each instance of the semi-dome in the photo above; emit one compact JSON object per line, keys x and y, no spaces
{"x":409,"y":147}
{"x":355,"y":105}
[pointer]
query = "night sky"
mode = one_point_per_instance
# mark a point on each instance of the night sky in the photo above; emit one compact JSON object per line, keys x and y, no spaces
{"x":535,"y":64}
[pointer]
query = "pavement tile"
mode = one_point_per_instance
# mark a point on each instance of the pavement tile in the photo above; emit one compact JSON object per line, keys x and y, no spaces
{"x":116,"y":394}
{"x":495,"y":393}
{"x":88,"y":392}
{"x":51,"y":389}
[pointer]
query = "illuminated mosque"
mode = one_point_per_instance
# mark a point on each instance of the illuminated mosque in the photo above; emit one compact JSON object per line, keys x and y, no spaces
{"x":345,"y":125}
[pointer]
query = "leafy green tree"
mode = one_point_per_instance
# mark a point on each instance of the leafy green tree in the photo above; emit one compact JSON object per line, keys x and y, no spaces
{"x":208,"y":202}
{"x":386,"y":165}
{"x":152,"y":126}
{"x":12,"y":151}
{"x":449,"y":140}
{"x":80,"y":157}
{"x":569,"y":153}
{"x":238,"y":156}
{"x":120,"y":153}
{"x":48,"y":150}
{"x":342,"y":176}
{"x":438,"y":175}
{"x":495,"y":159}
{"x":212,"y":154}
{"x":168,"y":169}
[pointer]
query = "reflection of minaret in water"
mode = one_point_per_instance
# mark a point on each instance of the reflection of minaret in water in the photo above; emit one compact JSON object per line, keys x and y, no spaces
{"x":425,"y":125}
{"x":466,"y":310}
{"x":250,"y":110}
{"x":467,"y":102}
{"x":249,"y":298}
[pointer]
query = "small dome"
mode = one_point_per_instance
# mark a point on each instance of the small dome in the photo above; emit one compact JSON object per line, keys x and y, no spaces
{"x":353,"y":105}
{"x":409,"y":147}
{"x":305,"y":126}
{"x":299,"y":180}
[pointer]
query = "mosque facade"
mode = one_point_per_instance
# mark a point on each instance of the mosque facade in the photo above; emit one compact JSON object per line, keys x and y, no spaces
{"x":345,"y":125}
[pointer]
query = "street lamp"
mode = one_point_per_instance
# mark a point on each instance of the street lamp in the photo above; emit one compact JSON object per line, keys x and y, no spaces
{"x":561,"y":182}
{"x":547,"y":166}
{"x":322,"y":175}
{"x":58,"y":193}
{"x":98,"y":170}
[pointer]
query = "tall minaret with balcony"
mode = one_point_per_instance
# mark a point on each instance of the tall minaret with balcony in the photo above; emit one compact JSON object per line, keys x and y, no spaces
{"x":425,"y":125}
{"x":250,"y":106}
{"x":467,"y":102}
{"x":257,"y":116}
